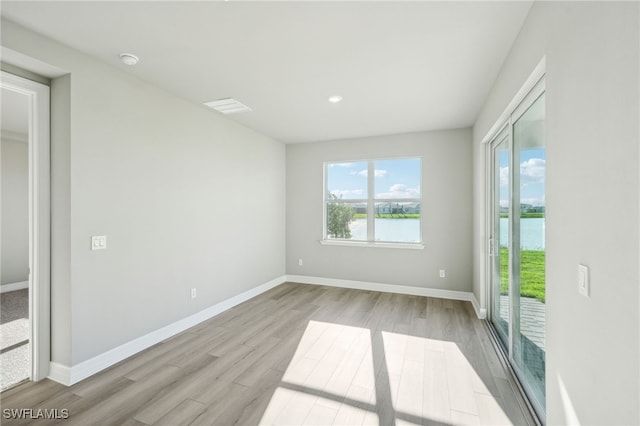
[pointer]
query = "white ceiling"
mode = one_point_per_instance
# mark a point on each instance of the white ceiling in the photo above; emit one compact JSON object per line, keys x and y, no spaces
{"x":400,"y":66}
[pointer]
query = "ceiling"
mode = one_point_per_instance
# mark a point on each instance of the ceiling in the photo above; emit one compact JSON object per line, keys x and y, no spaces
{"x":399,"y":66}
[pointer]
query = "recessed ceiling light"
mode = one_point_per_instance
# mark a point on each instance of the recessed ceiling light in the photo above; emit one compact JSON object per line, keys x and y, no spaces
{"x":335,"y":99}
{"x":228,"y":106}
{"x":129,"y":59}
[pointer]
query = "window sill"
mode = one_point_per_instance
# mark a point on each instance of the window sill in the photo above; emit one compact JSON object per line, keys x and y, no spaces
{"x":410,"y":246}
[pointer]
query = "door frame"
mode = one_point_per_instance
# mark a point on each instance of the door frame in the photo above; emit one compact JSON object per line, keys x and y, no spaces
{"x":515,"y":108}
{"x":528,"y":93}
{"x":39,"y":219}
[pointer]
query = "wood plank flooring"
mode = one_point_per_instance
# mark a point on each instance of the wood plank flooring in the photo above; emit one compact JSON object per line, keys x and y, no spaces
{"x":302,"y":355}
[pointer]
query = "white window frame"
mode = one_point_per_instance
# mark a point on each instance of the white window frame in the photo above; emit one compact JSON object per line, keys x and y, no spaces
{"x":370,"y":202}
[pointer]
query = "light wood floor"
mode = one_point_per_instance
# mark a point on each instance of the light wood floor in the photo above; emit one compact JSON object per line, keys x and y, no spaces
{"x":302,"y":354}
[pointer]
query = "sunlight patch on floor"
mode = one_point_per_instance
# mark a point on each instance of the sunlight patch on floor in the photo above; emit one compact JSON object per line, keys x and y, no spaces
{"x":337,"y":371}
{"x":332,"y":363}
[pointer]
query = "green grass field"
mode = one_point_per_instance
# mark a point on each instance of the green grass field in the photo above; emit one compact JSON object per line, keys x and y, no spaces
{"x":538,"y":215}
{"x":531,"y":273}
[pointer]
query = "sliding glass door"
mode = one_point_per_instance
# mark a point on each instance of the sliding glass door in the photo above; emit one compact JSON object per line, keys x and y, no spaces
{"x":517,"y":243}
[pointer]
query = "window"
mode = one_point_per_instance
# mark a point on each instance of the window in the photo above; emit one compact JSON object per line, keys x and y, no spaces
{"x":374,"y":201}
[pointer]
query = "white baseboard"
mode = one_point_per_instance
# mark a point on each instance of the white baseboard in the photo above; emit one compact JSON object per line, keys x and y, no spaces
{"x":59,"y":373}
{"x":391,"y":288}
{"x":71,"y":375}
{"x":14,"y":286}
{"x":480,"y":312}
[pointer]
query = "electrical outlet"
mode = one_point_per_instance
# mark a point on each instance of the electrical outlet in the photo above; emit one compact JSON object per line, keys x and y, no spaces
{"x":300,"y":263}
{"x":99,"y":242}
{"x":442,"y":273}
{"x":194,"y":293}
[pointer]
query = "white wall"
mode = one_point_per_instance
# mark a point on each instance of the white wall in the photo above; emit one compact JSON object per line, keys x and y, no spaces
{"x":186,"y":198}
{"x":446,"y":211}
{"x":592,"y":134}
{"x":15,"y":210}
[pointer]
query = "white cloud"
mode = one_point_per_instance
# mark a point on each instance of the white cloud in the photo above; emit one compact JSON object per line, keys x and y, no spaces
{"x":504,"y":177}
{"x":365,"y":173}
{"x":400,"y":190}
{"x":532,"y":171}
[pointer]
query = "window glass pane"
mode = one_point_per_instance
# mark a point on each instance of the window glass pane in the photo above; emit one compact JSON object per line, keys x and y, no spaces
{"x":347,"y":221}
{"x":347,"y":181}
{"x":397,"y":179}
{"x":386,"y":211}
{"x":397,"y":222}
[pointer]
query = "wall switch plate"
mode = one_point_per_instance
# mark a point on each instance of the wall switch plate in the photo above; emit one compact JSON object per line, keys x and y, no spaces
{"x":300,"y":262}
{"x":194,"y":293}
{"x":98,"y":242}
{"x":583,"y":280}
{"x":442,"y":273}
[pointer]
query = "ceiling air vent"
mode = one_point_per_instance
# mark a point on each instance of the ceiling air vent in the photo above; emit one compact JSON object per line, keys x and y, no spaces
{"x":228,"y":106}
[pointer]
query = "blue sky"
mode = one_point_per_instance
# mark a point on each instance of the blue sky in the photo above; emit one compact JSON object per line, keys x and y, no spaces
{"x":532,"y":174}
{"x":394,"y":179}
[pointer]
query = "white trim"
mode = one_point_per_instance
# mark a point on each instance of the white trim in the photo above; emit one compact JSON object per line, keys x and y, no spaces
{"x":391,"y":288}
{"x":480,"y":312}
{"x":527,"y":87}
{"x":39,"y":219}
{"x":4,"y":288}
{"x":412,"y":246}
{"x":530,"y":98}
{"x":59,"y":373}
{"x":71,"y":375}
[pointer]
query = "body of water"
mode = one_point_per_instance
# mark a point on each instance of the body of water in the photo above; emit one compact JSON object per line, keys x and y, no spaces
{"x":396,"y":230}
{"x":408,"y":230}
{"x":531,"y":233}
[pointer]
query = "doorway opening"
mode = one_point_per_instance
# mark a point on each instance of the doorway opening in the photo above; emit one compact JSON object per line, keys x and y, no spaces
{"x":15,"y":355}
{"x":25,"y":231}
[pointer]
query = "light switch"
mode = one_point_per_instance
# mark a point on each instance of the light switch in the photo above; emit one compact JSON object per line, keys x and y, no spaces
{"x":99,"y":242}
{"x":583,"y":280}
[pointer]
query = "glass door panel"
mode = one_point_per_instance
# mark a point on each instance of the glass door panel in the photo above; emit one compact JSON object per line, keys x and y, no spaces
{"x":517,"y":243}
{"x":529,"y":299}
{"x":500,"y":242}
